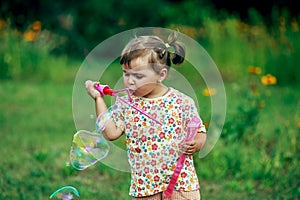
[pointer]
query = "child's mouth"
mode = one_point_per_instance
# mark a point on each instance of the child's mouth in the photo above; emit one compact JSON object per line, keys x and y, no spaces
{"x":131,"y":91}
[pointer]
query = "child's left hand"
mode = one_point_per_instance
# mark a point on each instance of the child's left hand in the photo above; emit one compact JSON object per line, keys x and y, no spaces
{"x":189,"y":148}
{"x":194,"y":145}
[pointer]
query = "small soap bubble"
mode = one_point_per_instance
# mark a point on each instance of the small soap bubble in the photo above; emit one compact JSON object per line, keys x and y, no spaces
{"x":65,"y":193}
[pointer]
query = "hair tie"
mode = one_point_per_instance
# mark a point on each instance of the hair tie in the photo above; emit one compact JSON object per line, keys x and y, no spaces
{"x":170,"y":48}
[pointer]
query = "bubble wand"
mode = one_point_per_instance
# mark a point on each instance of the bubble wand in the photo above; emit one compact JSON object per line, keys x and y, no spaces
{"x":105,"y":90}
{"x":192,"y":129}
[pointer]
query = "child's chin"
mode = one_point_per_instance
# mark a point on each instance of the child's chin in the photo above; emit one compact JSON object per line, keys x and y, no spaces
{"x":137,"y":94}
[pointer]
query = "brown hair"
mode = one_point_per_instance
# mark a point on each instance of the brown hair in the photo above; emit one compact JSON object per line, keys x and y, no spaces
{"x":160,"y":54}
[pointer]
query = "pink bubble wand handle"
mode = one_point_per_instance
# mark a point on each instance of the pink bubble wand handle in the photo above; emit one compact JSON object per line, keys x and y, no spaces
{"x":105,"y":90}
{"x":192,"y":128}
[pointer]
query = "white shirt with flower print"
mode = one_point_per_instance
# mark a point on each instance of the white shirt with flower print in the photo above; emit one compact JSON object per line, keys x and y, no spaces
{"x":153,"y":149}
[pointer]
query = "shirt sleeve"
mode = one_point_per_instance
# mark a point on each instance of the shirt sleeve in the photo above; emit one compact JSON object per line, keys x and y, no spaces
{"x":189,"y":111}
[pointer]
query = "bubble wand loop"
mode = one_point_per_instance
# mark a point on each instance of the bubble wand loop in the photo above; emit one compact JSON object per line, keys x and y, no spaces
{"x":192,"y":128}
{"x":105,"y":90}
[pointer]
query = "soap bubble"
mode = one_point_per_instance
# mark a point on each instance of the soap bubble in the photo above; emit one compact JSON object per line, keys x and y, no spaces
{"x":65,"y":193}
{"x":103,"y":118}
{"x":87,"y":149}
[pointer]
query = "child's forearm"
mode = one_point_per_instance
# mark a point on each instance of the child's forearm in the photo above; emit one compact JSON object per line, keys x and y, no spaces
{"x":110,"y":132}
{"x":100,"y":105}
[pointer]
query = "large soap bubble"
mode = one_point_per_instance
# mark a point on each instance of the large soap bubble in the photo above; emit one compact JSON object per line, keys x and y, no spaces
{"x":87,"y":149}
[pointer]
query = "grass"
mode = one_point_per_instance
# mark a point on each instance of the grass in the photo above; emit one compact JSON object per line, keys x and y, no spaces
{"x":37,"y":129}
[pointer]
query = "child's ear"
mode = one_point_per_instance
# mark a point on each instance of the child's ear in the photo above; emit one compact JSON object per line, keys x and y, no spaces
{"x":163,"y":74}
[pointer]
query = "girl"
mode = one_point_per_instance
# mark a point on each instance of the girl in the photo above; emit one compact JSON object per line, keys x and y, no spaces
{"x":153,"y":149}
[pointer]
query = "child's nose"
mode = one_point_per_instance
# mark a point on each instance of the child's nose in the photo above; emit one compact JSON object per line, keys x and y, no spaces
{"x":130,"y":81}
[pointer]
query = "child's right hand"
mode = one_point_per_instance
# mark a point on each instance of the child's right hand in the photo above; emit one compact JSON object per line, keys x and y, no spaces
{"x":90,"y":88}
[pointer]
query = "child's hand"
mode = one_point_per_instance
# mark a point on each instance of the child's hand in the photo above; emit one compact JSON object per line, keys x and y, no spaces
{"x":90,"y":88}
{"x":189,"y":148}
{"x":194,"y":145}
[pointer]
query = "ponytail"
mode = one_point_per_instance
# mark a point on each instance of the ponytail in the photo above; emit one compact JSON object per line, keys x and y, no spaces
{"x":176,"y":49}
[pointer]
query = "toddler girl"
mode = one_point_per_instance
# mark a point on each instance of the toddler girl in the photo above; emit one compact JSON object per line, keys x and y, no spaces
{"x":153,"y":149}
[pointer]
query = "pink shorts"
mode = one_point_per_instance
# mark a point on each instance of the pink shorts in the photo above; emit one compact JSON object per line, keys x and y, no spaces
{"x":177,"y":195}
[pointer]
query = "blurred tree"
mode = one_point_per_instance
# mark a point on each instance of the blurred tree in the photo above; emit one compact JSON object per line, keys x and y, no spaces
{"x":264,"y":8}
{"x":84,"y":24}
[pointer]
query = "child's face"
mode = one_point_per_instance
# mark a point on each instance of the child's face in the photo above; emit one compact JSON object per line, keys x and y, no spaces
{"x":141,"y":79}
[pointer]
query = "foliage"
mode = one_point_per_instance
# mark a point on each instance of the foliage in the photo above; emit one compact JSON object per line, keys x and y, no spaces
{"x":84,"y":24}
{"x":258,"y":143}
{"x":234,"y":44}
{"x":27,"y":56}
{"x":270,"y":47}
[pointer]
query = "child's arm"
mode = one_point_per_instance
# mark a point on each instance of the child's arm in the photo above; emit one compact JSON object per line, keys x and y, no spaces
{"x":194,"y":145}
{"x":111,"y":132}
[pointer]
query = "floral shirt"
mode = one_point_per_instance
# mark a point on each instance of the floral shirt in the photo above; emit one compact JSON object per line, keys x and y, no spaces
{"x":153,"y":149}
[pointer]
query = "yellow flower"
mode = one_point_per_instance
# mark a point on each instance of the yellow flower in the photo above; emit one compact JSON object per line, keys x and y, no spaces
{"x":254,"y":70}
{"x":2,"y":24}
{"x":209,"y":92}
{"x":268,"y":80}
{"x":30,"y":35}
{"x":36,"y":26}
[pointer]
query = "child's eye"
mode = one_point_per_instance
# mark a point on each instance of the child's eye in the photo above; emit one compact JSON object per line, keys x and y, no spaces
{"x":139,"y":76}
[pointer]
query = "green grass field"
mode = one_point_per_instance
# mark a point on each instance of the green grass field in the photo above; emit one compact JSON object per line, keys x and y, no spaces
{"x":37,"y":128}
